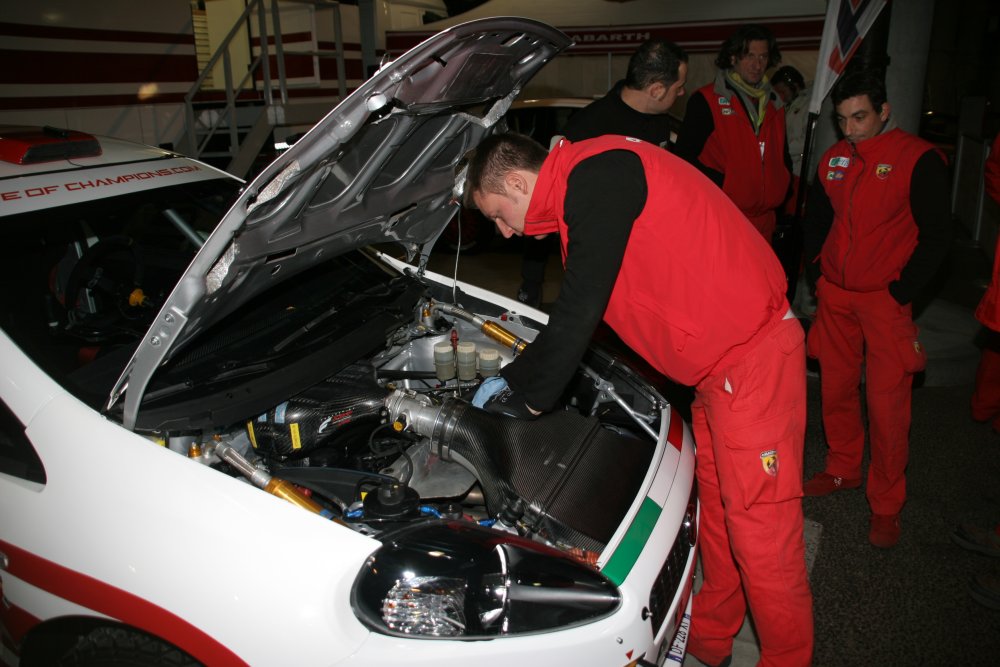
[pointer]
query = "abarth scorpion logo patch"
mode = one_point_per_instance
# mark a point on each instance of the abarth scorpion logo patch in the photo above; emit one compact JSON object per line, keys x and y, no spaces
{"x":769,"y":460}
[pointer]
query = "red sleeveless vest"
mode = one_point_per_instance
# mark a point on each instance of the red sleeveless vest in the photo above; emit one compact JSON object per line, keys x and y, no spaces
{"x":756,"y":177}
{"x":697,"y":281}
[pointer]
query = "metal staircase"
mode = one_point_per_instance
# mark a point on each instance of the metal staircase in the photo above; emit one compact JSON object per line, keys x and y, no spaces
{"x":229,"y":125}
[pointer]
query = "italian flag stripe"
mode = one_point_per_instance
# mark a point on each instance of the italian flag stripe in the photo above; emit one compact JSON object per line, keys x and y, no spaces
{"x":627,"y":553}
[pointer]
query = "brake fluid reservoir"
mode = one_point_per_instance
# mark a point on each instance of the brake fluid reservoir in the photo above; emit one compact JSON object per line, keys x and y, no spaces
{"x":444,"y":361}
{"x":489,"y":361}
{"x":465,"y":360}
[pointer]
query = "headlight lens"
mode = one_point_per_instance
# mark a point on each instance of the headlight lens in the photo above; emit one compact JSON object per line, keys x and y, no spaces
{"x":456,"y":580}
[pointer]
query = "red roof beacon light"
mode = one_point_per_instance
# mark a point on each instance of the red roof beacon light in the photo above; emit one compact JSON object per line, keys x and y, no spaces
{"x":32,"y":146}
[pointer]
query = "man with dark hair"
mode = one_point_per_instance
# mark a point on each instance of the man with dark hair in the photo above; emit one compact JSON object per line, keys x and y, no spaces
{"x":634,"y":107}
{"x":791,"y":88}
{"x":877,"y":228}
{"x":734,"y":128}
{"x":671,"y":265}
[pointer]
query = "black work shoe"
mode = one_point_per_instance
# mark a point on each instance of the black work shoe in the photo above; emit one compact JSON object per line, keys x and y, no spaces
{"x":985,"y":589}
{"x":976,"y":538}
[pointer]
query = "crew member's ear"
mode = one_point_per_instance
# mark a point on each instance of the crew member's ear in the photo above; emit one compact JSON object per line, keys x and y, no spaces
{"x":657,"y":91}
{"x":884,"y":113}
{"x":514,"y":181}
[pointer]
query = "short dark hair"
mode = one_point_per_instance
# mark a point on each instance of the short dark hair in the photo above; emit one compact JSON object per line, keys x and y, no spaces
{"x":861,"y":82}
{"x":789,"y":76}
{"x":655,"y":61}
{"x":738,"y":45}
{"x":496,"y":156}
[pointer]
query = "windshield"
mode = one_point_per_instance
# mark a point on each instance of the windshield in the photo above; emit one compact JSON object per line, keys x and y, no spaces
{"x":82,"y":282}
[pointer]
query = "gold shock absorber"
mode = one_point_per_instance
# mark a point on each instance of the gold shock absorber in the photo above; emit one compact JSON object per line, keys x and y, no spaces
{"x":285,"y":489}
{"x":504,"y":337}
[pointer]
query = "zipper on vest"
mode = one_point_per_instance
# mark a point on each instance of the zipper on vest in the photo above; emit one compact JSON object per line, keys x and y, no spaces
{"x":855,"y":156}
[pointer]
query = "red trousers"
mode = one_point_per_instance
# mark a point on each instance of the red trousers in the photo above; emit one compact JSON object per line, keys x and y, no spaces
{"x":749,"y":425}
{"x":986,"y":397}
{"x":870,"y":328}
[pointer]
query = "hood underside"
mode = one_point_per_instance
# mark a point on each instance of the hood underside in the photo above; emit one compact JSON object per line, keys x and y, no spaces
{"x":379,"y":167}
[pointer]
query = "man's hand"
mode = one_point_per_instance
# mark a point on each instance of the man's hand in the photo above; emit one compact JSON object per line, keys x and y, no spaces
{"x":494,"y":395}
{"x":489,"y":388}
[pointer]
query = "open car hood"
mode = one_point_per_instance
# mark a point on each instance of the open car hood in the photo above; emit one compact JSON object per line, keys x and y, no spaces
{"x":379,"y":167}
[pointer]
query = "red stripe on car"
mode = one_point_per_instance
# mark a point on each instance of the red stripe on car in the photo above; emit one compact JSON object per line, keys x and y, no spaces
{"x":89,"y":592}
{"x":675,"y":434}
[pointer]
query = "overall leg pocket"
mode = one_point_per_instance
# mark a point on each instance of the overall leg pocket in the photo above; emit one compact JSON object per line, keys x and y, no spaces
{"x":765,"y":459}
{"x":912,"y":354}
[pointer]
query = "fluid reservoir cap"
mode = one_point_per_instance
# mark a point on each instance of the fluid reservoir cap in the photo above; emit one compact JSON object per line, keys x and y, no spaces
{"x":489,"y":361}
{"x":465,"y":357}
{"x":466,"y":351}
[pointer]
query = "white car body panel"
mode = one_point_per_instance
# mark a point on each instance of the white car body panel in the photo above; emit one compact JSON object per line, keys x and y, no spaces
{"x":181,"y":528}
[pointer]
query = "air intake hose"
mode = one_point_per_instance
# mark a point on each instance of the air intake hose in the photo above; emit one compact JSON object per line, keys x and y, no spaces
{"x":562,"y":466}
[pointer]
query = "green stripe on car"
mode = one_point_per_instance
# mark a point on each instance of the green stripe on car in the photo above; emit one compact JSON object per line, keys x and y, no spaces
{"x":627,"y":553}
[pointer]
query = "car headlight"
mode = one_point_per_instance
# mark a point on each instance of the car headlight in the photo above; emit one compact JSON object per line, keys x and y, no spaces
{"x":456,"y":580}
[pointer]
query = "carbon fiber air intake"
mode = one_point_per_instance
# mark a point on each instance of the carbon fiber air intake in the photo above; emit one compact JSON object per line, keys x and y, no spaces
{"x":300,"y":424}
{"x":563,"y":467}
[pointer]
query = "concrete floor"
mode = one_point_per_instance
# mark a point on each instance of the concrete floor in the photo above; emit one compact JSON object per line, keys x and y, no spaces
{"x":907,"y":605}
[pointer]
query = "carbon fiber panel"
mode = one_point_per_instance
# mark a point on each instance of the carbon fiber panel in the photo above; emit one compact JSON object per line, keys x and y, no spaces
{"x":564,"y":465}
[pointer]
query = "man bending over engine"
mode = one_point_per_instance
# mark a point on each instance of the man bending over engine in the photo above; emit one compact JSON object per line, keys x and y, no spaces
{"x":680,"y":274}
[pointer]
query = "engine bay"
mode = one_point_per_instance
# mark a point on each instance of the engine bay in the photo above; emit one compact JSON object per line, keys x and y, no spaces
{"x":392,"y":438}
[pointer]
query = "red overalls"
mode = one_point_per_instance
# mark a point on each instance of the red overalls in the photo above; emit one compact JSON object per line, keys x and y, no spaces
{"x":986,"y":397}
{"x":700,"y":295}
{"x":756,"y":177}
{"x":858,"y":322}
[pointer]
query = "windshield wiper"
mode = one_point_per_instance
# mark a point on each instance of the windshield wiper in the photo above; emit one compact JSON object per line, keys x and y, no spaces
{"x":304,"y":329}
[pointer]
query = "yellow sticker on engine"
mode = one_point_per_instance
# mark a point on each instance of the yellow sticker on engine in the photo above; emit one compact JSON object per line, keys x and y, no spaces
{"x":296,"y":441}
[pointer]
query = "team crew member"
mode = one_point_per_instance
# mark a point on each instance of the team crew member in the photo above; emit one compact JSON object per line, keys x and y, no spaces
{"x":877,"y":219}
{"x":986,"y":397}
{"x":985,"y":587}
{"x":734,"y":128}
{"x":634,"y":107}
{"x":682,"y":277}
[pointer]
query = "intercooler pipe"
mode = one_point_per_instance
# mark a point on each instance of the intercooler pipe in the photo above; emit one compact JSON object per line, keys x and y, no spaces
{"x":438,"y":424}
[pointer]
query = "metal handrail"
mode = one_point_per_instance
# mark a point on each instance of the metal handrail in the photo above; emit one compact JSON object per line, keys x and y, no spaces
{"x":226,"y":119}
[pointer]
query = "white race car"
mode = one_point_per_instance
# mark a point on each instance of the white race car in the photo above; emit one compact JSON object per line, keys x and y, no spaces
{"x":235,"y":428}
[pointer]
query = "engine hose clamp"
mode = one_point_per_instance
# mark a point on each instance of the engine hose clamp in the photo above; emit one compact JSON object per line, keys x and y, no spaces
{"x":448,"y":416}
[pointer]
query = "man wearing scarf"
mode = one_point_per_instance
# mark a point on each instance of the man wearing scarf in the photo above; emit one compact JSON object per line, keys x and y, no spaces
{"x":734,"y":128}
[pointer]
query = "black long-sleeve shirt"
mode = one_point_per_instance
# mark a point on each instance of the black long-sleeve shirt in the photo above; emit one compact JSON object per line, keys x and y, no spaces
{"x":604,"y":195}
{"x":611,"y":115}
